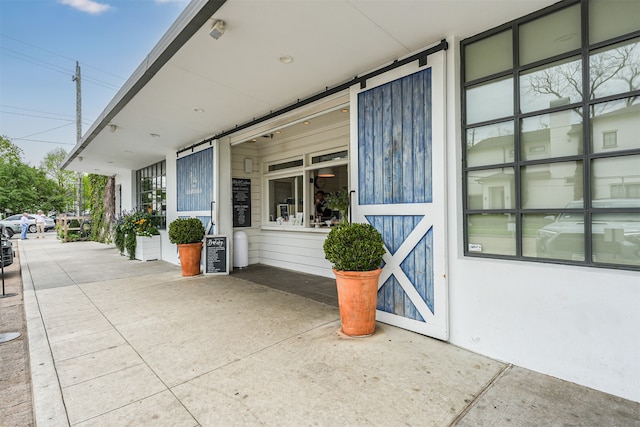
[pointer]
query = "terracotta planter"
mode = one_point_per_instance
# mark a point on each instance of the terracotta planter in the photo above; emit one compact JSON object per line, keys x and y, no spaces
{"x":357,"y":299}
{"x":190,"y":254}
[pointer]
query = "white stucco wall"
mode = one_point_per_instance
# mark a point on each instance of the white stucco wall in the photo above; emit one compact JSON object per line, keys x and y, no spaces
{"x":578,"y":324}
{"x":169,"y":250}
{"x":126,"y":181}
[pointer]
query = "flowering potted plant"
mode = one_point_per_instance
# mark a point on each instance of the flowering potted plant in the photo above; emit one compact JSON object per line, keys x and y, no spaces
{"x":131,"y":229}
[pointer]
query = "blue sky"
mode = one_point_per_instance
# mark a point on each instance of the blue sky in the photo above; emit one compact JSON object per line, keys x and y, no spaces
{"x":40,"y":42}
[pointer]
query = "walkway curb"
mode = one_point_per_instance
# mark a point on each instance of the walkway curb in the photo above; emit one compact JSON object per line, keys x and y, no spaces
{"x":48,"y":405}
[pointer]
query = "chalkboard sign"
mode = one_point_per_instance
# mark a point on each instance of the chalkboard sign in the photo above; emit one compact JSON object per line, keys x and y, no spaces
{"x":215,"y":254}
{"x":241,"y":189}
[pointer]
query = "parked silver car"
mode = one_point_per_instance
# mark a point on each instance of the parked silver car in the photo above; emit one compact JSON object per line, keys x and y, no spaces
{"x":615,"y":236}
{"x":13,"y":226}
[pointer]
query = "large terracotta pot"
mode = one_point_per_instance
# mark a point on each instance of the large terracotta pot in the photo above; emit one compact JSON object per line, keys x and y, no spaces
{"x":190,"y":258}
{"x":357,"y":299}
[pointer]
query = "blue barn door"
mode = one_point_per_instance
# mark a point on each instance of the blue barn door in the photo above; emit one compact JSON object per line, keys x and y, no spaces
{"x":399,"y":156}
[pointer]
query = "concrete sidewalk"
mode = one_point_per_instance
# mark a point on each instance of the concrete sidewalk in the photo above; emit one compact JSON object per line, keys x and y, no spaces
{"x":115,"y":342}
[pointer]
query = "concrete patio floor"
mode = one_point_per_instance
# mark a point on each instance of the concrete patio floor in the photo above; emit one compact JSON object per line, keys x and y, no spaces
{"x":115,"y":342}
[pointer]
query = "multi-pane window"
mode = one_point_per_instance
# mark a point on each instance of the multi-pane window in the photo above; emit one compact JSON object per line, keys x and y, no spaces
{"x":551,"y":146}
{"x":609,"y":139}
{"x":293,"y":186}
{"x":152,"y":192}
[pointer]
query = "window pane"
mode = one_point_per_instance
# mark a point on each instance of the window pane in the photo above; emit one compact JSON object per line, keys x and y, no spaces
{"x":616,"y":238}
{"x":550,"y":86}
{"x":340,"y":155}
{"x":285,"y":198}
{"x":490,"y":101}
{"x":550,"y":35}
{"x":286,"y":165}
{"x":489,"y":56}
{"x":491,"y":234}
{"x":611,"y":18}
{"x":488,"y":145}
{"x":615,"y":70}
{"x":531,"y":226}
{"x":490,"y":189}
{"x":552,"y":135}
{"x":553,"y":185}
{"x":615,"y":125}
{"x":616,"y":178}
{"x":556,"y":236}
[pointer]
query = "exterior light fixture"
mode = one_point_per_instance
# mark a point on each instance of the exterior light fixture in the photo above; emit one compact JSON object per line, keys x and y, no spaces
{"x":217,"y":30}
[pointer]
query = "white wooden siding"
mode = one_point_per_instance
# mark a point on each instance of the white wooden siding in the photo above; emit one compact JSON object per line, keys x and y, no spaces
{"x":299,"y":250}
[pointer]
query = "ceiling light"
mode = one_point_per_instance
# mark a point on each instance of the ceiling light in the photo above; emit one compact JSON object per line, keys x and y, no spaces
{"x":112,"y":127}
{"x":277,"y":132}
{"x":344,"y":110}
{"x":326,"y":173}
{"x":155,"y":135}
{"x":306,"y":122}
{"x":199,"y":110}
{"x":286,"y":59}
{"x":217,"y":30}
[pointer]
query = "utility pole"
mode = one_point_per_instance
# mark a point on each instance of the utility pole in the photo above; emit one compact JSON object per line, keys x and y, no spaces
{"x":76,"y":79}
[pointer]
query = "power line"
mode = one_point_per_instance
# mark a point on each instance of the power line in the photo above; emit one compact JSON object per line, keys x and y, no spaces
{"x":34,"y":116}
{"x":36,"y":111}
{"x":62,"y":56}
{"x":45,"y":131}
{"x":43,"y":141}
{"x":55,"y":67}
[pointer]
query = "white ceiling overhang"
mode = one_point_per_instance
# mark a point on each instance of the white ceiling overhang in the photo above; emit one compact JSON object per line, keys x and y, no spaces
{"x":240,"y":77}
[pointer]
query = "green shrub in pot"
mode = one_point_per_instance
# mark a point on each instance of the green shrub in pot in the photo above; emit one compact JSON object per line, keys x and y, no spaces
{"x":186,"y":230}
{"x":354,"y":247}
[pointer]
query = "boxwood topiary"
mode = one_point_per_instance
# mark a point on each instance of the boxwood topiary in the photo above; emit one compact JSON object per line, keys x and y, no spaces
{"x":186,"y":230}
{"x":354,"y":247}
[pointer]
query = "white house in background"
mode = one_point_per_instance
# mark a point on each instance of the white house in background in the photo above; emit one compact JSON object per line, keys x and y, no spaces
{"x":493,"y":143}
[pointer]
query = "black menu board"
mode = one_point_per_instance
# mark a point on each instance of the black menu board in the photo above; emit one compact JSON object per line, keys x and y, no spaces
{"x":241,"y":189}
{"x":215,"y":254}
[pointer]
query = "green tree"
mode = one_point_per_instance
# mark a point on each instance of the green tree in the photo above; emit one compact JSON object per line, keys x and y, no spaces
{"x":9,"y":152}
{"x":25,"y":188}
{"x":51,"y":165}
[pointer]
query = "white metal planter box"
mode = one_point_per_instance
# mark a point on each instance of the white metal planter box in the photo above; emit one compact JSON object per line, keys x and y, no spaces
{"x":148,"y":248}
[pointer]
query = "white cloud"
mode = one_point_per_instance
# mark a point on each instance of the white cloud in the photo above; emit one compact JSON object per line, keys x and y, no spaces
{"x":88,"y":6}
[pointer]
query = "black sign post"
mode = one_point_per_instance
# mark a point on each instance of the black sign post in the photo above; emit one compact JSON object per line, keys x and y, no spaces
{"x":216,"y":255}
{"x":241,"y":189}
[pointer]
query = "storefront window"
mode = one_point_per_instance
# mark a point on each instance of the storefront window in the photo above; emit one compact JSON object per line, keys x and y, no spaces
{"x":294,"y":186}
{"x":555,"y":179}
{"x":286,"y":200}
{"x":152,"y":192}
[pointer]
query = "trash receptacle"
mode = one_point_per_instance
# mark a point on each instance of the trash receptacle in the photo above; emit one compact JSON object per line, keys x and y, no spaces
{"x":240,"y":249}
